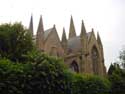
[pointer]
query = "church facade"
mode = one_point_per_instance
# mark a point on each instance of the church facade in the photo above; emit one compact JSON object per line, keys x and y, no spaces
{"x":83,"y":53}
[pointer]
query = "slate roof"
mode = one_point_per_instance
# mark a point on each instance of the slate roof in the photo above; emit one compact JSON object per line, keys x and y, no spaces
{"x":75,"y":45}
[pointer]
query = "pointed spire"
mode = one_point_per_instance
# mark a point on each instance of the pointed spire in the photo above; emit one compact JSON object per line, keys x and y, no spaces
{"x":40,"y":26}
{"x":54,"y":26}
{"x":83,"y":30}
{"x":39,"y":35}
{"x":31,"y":26}
{"x":93,"y":30}
{"x":64,"y":41}
{"x":99,"y":39}
{"x":72,"y":32}
{"x":64,"y":36}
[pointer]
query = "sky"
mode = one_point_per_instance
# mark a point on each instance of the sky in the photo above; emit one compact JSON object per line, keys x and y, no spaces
{"x":106,"y":17}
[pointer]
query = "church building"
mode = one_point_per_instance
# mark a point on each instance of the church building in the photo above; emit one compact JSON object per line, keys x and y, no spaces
{"x":83,"y":53}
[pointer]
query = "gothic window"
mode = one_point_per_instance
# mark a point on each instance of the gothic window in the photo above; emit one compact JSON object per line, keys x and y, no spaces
{"x":95,"y":57}
{"x":74,"y":67}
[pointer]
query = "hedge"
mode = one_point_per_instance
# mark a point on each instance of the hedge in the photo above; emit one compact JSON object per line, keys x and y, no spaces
{"x":48,"y":77}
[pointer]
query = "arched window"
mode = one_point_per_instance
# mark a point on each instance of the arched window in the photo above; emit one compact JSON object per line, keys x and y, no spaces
{"x":95,"y":59}
{"x":74,"y":66}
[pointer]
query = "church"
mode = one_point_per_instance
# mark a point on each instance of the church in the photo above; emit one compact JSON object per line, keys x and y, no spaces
{"x":83,"y":54}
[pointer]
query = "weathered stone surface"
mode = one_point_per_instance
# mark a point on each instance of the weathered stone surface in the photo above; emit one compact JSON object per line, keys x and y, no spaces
{"x":82,"y":53}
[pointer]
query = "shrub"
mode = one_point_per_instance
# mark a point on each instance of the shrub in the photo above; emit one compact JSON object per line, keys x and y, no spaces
{"x":87,"y":84}
{"x":46,"y":77}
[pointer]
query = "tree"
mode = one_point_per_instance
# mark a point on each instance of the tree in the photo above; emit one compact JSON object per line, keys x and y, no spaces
{"x":117,"y":77}
{"x":122,"y":58}
{"x":15,"y":42}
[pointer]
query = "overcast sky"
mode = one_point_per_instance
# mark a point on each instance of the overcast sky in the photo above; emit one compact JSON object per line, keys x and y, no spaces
{"x":105,"y":16}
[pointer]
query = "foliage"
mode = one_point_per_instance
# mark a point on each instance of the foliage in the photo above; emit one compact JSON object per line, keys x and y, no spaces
{"x":117,"y":78}
{"x":15,"y":42}
{"x":90,"y":84}
{"x":122,"y":58}
{"x":45,"y":78}
{"x":48,"y":77}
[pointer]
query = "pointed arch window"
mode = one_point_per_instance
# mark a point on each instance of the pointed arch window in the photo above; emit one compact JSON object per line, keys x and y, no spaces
{"x":74,"y":67}
{"x":95,"y":59}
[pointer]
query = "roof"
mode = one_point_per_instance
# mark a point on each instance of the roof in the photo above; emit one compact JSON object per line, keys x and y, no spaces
{"x":75,"y":45}
{"x":47,"y":32}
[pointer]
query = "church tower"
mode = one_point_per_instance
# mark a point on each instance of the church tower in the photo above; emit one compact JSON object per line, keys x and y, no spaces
{"x":40,"y":35}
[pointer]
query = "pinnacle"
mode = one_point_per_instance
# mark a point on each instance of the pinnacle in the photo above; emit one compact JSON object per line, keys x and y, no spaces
{"x":83,"y":30}
{"x":40,"y":26}
{"x":64,"y":35}
{"x":72,"y":32}
{"x":98,"y":38}
{"x":31,"y":25}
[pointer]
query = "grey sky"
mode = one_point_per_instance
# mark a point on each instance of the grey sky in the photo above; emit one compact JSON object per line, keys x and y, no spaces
{"x":105,"y":16}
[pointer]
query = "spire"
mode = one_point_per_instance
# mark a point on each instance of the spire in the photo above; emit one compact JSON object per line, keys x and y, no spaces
{"x":99,"y":39}
{"x":64,"y":41}
{"x":40,"y":36}
{"x":64,"y":36}
{"x":72,"y":32}
{"x":40,"y":26}
{"x":92,"y":30}
{"x":31,"y":26}
{"x":83,"y":30}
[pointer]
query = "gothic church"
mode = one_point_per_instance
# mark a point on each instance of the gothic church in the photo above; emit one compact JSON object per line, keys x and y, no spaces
{"x":83,"y":53}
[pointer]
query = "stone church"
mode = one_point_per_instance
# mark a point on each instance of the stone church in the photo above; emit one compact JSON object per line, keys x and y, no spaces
{"x":82,"y":54}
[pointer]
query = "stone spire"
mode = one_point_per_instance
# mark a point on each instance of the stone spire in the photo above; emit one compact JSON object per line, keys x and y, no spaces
{"x":72,"y":32}
{"x":83,"y":30}
{"x":39,"y":35}
{"x":64,"y":40}
{"x":83,"y":37}
{"x":99,"y":39}
{"x":31,"y":26}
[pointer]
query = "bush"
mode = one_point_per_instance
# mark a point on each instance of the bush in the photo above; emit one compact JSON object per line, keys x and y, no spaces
{"x":87,"y":84}
{"x":46,"y":77}
{"x":117,"y":78}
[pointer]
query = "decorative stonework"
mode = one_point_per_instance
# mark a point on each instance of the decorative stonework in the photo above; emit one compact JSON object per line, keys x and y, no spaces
{"x":83,"y":53}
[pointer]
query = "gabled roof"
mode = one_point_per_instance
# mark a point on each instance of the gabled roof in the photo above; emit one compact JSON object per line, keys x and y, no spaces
{"x":47,"y":32}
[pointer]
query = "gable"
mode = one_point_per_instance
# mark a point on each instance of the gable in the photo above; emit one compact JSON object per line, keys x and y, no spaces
{"x":53,"y":41}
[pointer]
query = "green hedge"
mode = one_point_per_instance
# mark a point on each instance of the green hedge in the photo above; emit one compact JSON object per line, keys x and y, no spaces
{"x":48,"y":77}
{"x":90,"y":84}
{"x":45,"y":78}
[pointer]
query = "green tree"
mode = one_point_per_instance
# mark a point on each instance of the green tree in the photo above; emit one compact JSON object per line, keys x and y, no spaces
{"x":122,"y":58}
{"x":15,"y":42}
{"x":117,"y":77}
